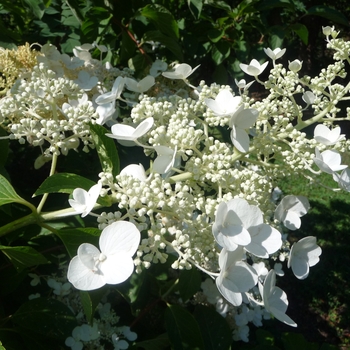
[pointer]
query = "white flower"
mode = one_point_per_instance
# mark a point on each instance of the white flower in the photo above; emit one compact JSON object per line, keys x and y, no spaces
{"x":119,"y":344}
{"x":83,"y":201}
{"x":181,"y":71}
{"x":231,"y":222}
{"x":295,"y":65}
{"x":343,"y":179}
{"x":224,"y":104}
{"x":275,"y":54}
{"x":241,"y":120}
{"x":35,"y":279}
{"x":304,"y":254}
{"x":239,"y":224}
{"x":275,"y":299}
{"x":105,"y":112}
{"x":165,"y":160}
{"x":330,"y":31}
{"x":140,"y":86}
{"x":135,"y":170}
{"x":114,"y":94}
{"x":309,"y":97}
{"x":157,"y":67}
{"x":328,"y":161}
{"x":236,"y":276}
{"x":290,"y":209}
{"x":242,"y":85}
{"x":128,"y":133}
{"x":254,"y":68}
{"x":59,"y":288}
{"x":92,"y":269}
{"x":86,"y":81}
{"x":324,"y":135}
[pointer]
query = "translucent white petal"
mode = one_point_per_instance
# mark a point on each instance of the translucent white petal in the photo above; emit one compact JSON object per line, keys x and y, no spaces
{"x":117,"y":268}
{"x":240,"y":139}
{"x":300,"y":267}
{"x":249,"y":215}
{"x":120,"y":236}
{"x":135,"y":170}
{"x":143,"y":127}
{"x":82,"y":277}
{"x":122,"y":132}
{"x":246,"y":118}
{"x":87,"y":253}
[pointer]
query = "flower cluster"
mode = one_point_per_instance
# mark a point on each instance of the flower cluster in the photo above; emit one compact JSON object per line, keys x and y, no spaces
{"x":214,"y":158}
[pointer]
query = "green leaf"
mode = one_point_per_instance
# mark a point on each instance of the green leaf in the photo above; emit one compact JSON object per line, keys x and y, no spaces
{"x":302,"y":31}
{"x":8,"y":194}
{"x":170,"y":43}
{"x":90,"y":301}
{"x":64,"y":183}
{"x":328,"y":13}
{"x":189,"y":283}
{"x":72,"y":238}
{"x":220,"y":52}
{"x":46,"y":317}
{"x":215,"y":35}
{"x":195,"y":7}
{"x":75,"y":7}
{"x":182,"y":329}
{"x":162,"y":19}
{"x":138,"y":63}
{"x":37,"y":7}
{"x":106,"y":150}
{"x":23,"y":257}
{"x":271,"y":4}
{"x":293,"y":341}
{"x":215,"y":330}
{"x":159,"y":343}
{"x":1,"y":347}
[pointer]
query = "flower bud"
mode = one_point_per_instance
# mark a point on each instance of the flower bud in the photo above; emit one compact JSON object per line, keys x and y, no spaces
{"x":295,"y":66}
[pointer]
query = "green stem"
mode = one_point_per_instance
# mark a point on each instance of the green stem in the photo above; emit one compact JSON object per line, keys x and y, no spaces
{"x":52,"y":171}
{"x":19,"y":223}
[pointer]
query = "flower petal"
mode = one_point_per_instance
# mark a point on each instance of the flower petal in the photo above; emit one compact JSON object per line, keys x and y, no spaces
{"x":120,"y":236}
{"x":82,"y":277}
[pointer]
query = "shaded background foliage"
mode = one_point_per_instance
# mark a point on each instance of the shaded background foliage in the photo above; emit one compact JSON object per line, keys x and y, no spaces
{"x":218,"y":35}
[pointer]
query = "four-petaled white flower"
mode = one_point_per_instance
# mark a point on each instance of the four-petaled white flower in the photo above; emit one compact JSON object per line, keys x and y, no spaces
{"x":181,"y":71}
{"x":86,"y":81}
{"x":275,"y":54}
{"x":128,"y":133}
{"x":236,"y":276}
{"x":254,"y":68}
{"x":328,"y":161}
{"x":84,"y":201}
{"x":239,"y":224}
{"x":303,"y":255}
{"x":324,"y":135}
{"x":275,"y":299}
{"x":290,"y":209}
{"x":241,"y":120}
{"x":140,"y":86}
{"x":224,"y":104}
{"x":92,"y":269}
